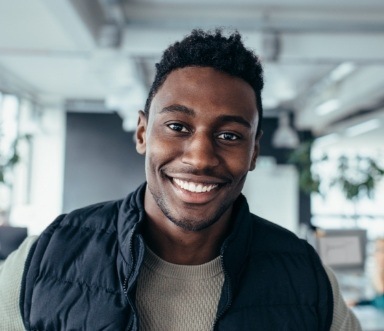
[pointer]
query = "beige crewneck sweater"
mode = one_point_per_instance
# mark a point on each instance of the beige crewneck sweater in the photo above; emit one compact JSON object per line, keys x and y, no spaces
{"x":178,"y":297}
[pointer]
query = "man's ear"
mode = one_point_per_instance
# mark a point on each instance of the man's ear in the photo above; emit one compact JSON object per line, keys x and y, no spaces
{"x":256,"y":151}
{"x":141,"y":139}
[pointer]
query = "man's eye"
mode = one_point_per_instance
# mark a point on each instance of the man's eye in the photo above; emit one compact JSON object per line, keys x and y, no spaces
{"x":228,"y":136}
{"x":177,"y":127}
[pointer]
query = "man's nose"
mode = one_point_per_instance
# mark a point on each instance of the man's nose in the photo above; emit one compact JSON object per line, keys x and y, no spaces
{"x":200,"y":152}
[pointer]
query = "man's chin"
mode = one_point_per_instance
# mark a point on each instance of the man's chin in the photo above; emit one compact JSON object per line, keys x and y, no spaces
{"x":189,"y":217}
{"x":191,"y":225}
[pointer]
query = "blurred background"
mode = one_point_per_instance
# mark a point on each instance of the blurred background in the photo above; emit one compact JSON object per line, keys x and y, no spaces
{"x":74,"y":73}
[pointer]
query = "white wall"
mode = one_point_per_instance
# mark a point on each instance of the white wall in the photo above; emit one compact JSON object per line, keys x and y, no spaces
{"x":44,"y":202}
{"x":272,"y":193}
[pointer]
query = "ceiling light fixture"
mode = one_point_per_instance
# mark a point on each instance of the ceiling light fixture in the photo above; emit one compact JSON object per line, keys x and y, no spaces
{"x":285,"y":136}
{"x":271,"y":46}
{"x":363,"y":127}
{"x":327,"y":107}
{"x":342,"y":71}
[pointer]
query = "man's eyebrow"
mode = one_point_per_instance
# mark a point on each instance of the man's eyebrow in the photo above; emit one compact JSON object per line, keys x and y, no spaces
{"x":178,"y":108}
{"x":233,"y":118}
{"x":223,"y":118}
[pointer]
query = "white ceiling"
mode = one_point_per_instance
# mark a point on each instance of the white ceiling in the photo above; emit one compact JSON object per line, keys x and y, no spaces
{"x":58,"y":50}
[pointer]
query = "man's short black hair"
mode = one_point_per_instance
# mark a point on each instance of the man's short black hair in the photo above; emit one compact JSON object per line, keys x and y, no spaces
{"x":211,"y":49}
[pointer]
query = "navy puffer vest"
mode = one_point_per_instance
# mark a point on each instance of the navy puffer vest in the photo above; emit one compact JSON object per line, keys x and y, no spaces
{"x":81,"y":274}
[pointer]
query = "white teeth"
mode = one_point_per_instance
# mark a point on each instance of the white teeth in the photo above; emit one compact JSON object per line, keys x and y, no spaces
{"x":191,"y":187}
{"x":194,"y":187}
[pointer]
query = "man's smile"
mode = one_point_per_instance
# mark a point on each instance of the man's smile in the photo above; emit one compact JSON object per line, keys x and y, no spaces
{"x":194,"y":187}
{"x":196,"y":190}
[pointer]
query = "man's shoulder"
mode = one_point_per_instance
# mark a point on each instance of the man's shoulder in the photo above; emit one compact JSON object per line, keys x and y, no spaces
{"x":275,"y":237}
{"x":107,"y":210}
{"x":88,"y":215}
{"x":109,"y":218}
{"x":264,"y":225}
{"x":99,"y":216}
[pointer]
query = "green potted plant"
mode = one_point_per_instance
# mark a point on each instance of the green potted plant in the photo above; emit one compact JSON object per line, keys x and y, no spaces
{"x":356,"y":176}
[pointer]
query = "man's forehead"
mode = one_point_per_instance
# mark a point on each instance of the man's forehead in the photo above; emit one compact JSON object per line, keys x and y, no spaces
{"x":200,"y":77}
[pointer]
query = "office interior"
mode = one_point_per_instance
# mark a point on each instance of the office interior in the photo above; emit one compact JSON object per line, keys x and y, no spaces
{"x":73,"y":75}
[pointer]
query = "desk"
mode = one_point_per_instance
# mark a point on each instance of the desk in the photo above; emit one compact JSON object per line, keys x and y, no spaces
{"x":371,"y":318}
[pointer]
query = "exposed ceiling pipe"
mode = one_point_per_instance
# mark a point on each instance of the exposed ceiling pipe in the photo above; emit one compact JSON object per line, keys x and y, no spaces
{"x":110,"y":34}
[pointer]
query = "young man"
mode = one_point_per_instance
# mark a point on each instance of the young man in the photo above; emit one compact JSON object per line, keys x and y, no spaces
{"x":182,"y":252}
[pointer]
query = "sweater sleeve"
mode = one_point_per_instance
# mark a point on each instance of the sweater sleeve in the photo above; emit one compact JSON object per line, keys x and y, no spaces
{"x":11,"y":272}
{"x":343,"y":317}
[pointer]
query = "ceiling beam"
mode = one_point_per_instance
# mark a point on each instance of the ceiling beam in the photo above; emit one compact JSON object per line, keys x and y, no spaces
{"x":78,"y":19}
{"x":364,"y":48}
{"x":247,"y":16}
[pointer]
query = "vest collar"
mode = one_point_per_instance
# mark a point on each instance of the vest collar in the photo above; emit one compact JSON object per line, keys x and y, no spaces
{"x":234,"y":249}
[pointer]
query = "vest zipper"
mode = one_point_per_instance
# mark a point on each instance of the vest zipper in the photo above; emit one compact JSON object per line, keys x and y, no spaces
{"x":126,"y":281}
{"x":125,"y":289}
{"x":227,"y":279}
{"x":125,"y":285}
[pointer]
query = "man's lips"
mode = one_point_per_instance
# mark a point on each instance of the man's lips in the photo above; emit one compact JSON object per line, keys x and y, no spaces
{"x":194,"y":187}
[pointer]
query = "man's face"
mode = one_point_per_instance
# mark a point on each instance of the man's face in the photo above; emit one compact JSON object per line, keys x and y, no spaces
{"x":199,"y":143}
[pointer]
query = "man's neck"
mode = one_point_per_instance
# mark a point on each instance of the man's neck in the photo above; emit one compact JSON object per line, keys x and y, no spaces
{"x":176,"y":245}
